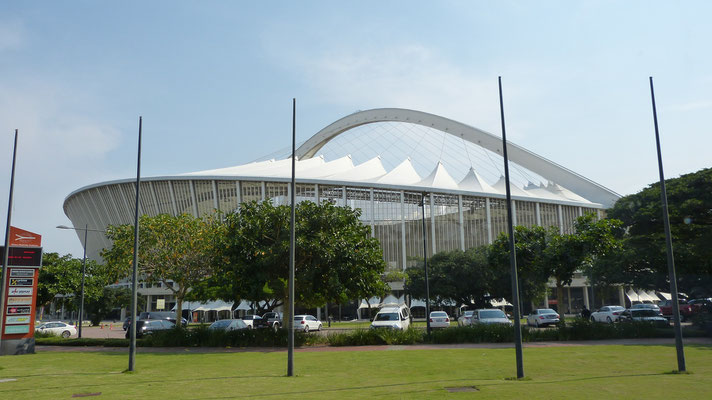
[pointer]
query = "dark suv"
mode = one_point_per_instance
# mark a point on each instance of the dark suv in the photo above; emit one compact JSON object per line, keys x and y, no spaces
{"x":147,"y":327}
{"x":272,"y":320}
{"x":165,"y":315}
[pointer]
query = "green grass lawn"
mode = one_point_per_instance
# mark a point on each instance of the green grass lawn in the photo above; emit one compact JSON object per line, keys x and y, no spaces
{"x":568,"y":372}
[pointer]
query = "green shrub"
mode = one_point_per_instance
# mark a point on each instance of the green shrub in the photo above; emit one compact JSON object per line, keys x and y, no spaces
{"x":204,"y":337}
{"x":479,"y":333}
{"x":375,"y":337}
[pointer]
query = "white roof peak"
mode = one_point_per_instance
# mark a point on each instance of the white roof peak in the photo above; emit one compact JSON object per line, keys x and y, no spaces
{"x":403,"y":174}
{"x":473,"y":182}
{"x":439,"y":178}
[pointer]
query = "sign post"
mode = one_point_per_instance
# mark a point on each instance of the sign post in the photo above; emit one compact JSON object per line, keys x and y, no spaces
{"x":20,"y":300}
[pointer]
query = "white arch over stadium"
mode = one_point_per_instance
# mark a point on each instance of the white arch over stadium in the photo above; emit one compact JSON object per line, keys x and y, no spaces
{"x":517,"y":154}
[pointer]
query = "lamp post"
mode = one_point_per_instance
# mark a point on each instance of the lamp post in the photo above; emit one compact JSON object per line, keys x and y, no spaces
{"x":84,"y":270}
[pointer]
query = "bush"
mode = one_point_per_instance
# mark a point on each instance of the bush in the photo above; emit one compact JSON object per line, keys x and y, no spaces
{"x":204,"y":337}
{"x":375,"y":337}
{"x":478,"y":333}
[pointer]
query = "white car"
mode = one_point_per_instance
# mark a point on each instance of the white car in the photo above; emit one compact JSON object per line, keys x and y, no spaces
{"x":57,"y":328}
{"x":466,"y":318}
{"x":490,"y":316}
{"x":608,"y":314}
{"x":439,"y":319}
{"x":542,"y":317}
{"x":392,"y":317}
{"x":252,"y":320}
{"x":307,"y":323}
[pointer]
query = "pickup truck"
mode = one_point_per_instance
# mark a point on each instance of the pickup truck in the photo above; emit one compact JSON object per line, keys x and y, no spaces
{"x":272,"y":320}
{"x":686,"y":310}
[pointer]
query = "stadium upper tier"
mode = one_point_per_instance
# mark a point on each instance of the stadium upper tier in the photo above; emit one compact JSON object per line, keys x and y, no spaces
{"x":386,"y":162}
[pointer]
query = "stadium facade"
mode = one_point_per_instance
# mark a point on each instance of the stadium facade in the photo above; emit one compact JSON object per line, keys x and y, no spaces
{"x":393,"y":165}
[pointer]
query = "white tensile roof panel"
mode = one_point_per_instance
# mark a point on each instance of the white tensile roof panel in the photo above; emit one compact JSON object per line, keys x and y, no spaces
{"x":514,"y":190}
{"x":542,"y":193}
{"x":473,"y":182}
{"x":236,"y":170}
{"x":371,"y":169}
{"x":403,"y":174}
{"x":439,"y":178}
{"x":339,"y":165}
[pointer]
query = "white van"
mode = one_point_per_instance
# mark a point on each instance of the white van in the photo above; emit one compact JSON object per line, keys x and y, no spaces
{"x":392,"y":316}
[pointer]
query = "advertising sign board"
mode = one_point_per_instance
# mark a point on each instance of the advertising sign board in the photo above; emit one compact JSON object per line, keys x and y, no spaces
{"x":20,"y":291}
{"x":22,"y":273}
{"x":19,"y":301}
{"x":15,"y":310}
{"x":17,"y":329}
{"x":19,"y":319}
{"x":21,"y":281}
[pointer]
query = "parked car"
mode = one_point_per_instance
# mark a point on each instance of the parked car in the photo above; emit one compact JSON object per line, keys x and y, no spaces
{"x":439,"y":319}
{"x":490,"y":316}
{"x":686,"y":310}
{"x":149,"y":326}
{"x":700,"y":305}
{"x":306,"y":323}
{"x":228,"y":325}
{"x":57,"y":328}
{"x":644,"y":315}
{"x":252,"y":321}
{"x":646,"y":306}
{"x":543,"y":317}
{"x":165,"y":315}
{"x":272,"y":320}
{"x":466,"y":318}
{"x":396,"y":316}
{"x":609,"y":314}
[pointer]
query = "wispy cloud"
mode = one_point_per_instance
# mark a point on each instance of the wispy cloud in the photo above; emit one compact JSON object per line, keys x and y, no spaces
{"x":408,"y":76}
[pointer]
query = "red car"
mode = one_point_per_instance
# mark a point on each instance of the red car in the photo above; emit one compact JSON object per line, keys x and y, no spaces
{"x":686,"y":310}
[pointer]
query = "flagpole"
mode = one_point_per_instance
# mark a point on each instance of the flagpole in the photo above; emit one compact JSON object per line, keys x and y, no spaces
{"x":512,"y":250}
{"x":6,"y":254}
{"x":668,"y":242}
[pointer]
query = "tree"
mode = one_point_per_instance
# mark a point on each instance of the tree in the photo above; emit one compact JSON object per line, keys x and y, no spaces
{"x":335,"y":259}
{"x":63,"y":275}
{"x":462,"y":277}
{"x":532,"y":272}
{"x":110,"y":299}
{"x":179,"y":251}
{"x":690,"y":213}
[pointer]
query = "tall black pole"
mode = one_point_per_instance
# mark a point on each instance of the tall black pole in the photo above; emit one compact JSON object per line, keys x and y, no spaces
{"x":512,"y":250}
{"x":425,"y":265}
{"x":292,"y":236}
{"x":668,"y":241}
{"x":7,"y":241}
{"x":84,"y":273}
{"x":134,"y":276}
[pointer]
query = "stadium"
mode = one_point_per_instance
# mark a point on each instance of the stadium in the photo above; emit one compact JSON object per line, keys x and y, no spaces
{"x":400,"y":167}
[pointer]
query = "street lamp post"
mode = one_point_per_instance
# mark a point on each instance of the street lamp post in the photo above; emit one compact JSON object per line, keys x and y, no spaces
{"x":84,"y":270}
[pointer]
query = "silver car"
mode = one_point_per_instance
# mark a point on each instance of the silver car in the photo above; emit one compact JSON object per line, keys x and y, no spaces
{"x":490,"y":316}
{"x":542,"y":317}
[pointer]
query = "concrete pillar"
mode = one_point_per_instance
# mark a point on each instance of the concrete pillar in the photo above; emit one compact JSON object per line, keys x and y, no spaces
{"x":148,"y":302}
{"x":585,"y":297}
{"x":621,"y":296}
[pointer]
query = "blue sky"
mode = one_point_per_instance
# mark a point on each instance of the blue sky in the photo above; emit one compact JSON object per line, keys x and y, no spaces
{"x":214,"y":82}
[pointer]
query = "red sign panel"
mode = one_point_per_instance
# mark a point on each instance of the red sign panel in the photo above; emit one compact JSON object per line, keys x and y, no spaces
{"x":21,"y":237}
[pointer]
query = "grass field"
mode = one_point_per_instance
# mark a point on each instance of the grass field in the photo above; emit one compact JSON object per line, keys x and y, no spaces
{"x":567,"y":372}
